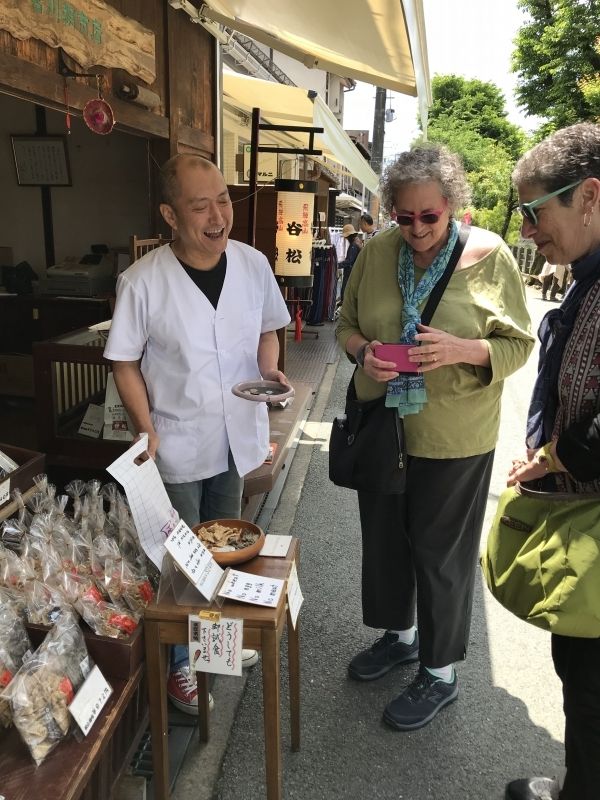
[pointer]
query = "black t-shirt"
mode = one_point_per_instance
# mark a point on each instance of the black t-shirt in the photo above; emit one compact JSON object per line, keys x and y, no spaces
{"x":209,"y":281}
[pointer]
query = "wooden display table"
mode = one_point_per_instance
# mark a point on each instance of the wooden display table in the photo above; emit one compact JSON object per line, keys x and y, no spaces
{"x":166,"y":623}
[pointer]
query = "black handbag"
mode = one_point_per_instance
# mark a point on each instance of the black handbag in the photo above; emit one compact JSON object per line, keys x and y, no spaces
{"x":366,"y":446}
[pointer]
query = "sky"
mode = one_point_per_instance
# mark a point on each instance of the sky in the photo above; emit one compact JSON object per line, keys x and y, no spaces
{"x":474,"y":40}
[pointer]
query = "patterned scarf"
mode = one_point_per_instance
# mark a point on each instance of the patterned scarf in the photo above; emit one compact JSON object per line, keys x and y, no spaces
{"x":579,"y":386}
{"x":554,"y":332}
{"x":407,"y":391}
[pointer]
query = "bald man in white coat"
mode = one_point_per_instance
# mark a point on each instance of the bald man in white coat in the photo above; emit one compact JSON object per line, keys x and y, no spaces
{"x":191,"y":320}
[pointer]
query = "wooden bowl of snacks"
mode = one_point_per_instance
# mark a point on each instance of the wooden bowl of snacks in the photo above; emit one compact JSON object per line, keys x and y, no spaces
{"x":230,"y":541}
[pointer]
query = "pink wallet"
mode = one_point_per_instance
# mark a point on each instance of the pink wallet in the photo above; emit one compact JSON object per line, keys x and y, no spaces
{"x":398,"y":353}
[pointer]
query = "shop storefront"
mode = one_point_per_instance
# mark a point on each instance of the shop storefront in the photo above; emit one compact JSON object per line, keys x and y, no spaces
{"x":94,"y":97}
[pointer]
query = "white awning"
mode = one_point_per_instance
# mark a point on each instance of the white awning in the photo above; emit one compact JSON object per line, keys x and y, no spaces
{"x":344,"y":200}
{"x":290,"y":105}
{"x":381,"y":42}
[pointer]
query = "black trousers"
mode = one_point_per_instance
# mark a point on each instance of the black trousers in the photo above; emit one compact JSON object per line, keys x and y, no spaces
{"x":420,"y":550}
{"x":577,"y":664}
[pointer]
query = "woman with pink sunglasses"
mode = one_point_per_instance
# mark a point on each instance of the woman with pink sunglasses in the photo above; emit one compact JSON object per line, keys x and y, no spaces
{"x":420,"y":548}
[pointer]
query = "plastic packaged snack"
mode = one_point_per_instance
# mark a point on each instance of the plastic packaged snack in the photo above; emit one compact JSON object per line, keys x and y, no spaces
{"x":127,"y":584}
{"x":107,"y":619}
{"x":41,"y":691}
{"x":14,"y":647}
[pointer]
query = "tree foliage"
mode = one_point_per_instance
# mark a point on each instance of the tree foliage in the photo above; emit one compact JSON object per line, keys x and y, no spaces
{"x":479,"y":106}
{"x":469,"y":117}
{"x":556,"y":60}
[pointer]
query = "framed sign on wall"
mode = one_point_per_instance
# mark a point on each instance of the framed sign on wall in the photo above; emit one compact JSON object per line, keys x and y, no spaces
{"x":41,"y":160}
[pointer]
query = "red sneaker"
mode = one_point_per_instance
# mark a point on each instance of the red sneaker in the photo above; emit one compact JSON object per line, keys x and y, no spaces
{"x":183,"y":692}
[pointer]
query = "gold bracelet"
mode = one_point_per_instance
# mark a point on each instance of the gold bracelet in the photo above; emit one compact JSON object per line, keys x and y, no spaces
{"x":545,"y":457}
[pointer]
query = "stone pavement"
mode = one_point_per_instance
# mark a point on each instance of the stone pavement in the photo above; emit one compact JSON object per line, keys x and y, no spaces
{"x":506,"y":723}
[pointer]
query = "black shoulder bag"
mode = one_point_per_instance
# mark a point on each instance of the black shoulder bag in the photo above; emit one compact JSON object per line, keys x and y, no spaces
{"x":366,"y":447}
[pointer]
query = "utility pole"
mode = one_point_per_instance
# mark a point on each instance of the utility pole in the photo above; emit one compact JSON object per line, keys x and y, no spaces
{"x":378,"y":130}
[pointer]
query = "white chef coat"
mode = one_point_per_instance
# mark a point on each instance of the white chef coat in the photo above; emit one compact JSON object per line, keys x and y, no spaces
{"x":192,"y":354}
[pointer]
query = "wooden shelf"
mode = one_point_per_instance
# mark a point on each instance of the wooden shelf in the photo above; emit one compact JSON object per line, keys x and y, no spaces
{"x":80,"y":769}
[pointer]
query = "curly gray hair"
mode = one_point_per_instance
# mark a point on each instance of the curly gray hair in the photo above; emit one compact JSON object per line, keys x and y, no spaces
{"x":421,"y":165}
{"x":567,"y":156}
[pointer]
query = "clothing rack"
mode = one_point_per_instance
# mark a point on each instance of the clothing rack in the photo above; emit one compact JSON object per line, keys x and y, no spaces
{"x":324,"y":288}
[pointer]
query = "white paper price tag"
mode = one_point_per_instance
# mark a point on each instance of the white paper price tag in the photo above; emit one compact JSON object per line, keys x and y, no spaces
{"x":194,"y":560}
{"x":294,"y":594}
{"x":216,"y":646}
{"x":90,"y":700}
{"x":249,"y":588}
{"x":4,"y":492}
{"x":276,"y":545}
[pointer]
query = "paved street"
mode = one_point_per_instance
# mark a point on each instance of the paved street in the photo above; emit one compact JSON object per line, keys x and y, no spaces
{"x":507,"y":721}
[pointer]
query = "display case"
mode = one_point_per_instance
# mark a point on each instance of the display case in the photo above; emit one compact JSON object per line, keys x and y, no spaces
{"x":70,"y":372}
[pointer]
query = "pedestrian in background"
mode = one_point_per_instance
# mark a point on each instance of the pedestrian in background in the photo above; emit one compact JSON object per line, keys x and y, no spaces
{"x":367,"y":226}
{"x":355,"y":245}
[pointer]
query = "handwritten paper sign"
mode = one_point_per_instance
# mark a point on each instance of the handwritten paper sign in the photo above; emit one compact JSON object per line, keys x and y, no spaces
{"x":216,"y":646}
{"x":249,"y":588}
{"x":294,"y":594}
{"x":276,"y":545}
{"x":194,"y":560}
{"x":90,"y":700}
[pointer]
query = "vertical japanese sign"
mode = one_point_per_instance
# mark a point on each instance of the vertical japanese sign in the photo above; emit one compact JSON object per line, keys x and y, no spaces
{"x":216,"y":645}
{"x":293,"y":239}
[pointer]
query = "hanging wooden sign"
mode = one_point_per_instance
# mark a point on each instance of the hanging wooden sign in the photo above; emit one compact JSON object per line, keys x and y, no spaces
{"x":90,"y":31}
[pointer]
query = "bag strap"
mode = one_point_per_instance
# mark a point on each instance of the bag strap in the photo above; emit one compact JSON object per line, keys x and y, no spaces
{"x":439,"y":288}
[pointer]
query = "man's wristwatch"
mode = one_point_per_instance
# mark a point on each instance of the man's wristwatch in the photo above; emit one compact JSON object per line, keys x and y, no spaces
{"x":360,"y":354}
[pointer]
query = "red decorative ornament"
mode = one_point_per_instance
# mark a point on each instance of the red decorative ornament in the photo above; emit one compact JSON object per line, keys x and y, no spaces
{"x":98,"y":116}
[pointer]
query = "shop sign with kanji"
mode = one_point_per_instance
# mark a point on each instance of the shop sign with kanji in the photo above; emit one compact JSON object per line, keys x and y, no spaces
{"x":90,"y":31}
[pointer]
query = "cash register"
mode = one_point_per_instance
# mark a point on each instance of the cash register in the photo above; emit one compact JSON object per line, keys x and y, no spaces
{"x":82,"y":276}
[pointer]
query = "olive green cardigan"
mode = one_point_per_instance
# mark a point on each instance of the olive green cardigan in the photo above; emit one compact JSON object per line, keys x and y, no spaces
{"x":483,"y":301}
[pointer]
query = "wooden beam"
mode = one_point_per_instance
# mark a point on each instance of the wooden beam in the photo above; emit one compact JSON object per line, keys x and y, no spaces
{"x":30,"y":82}
{"x":198,"y":140}
{"x":172,"y":104}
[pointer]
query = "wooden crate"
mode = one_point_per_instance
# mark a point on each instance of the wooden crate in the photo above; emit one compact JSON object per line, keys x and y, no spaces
{"x":30,"y":464}
{"x":118,"y":659}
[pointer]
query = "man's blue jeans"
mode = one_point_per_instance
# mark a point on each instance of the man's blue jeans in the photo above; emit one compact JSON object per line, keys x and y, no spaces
{"x":219,"y":497}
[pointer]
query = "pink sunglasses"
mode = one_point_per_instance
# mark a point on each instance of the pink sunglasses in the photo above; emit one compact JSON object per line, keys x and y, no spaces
{"x":427,"y":217}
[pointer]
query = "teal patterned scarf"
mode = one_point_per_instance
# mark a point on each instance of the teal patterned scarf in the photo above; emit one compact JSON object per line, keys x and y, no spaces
{"x":407,"y":391}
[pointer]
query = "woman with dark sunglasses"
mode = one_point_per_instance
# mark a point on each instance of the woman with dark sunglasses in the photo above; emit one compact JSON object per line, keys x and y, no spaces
{"x":559,"y":188}
{"x":420,"y":549}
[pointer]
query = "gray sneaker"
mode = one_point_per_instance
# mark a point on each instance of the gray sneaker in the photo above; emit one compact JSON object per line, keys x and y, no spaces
{"x":420,"y":702}
{"x":383,"y":655}
{"x":532,"y":789}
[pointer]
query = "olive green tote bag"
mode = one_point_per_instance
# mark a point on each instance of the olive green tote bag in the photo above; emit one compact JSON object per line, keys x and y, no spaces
{"x":542,"y":560}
